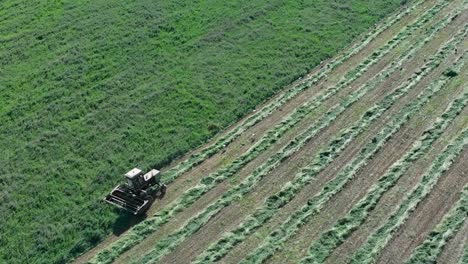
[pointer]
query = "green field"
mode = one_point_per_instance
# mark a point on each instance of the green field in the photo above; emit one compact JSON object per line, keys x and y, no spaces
{"x":90,"y":89}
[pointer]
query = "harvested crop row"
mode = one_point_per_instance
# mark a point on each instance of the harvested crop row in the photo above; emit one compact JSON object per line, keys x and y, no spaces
{"x":268,"y":109}
{"x":329,"y":240}
{"x":140,"y":231}
{"x":453,"y":250}
{"x":209,"y":182}
{"x":298,"y":114}
{"x":164,"y":246}
{"x":368,"y":252}
{"x":275,"y":241}
{"x":431,"y":248}
{"x":228,"y":241}
{"x":149,"y":225}
{"x":464,"y":258}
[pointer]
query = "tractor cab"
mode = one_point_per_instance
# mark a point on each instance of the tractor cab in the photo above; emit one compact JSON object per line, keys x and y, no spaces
{"x":138,"y":192}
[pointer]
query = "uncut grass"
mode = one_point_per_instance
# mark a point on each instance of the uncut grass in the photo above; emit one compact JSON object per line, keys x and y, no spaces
{"x":88,"y":85}
{"x":436,"y":240}
{"x":174,"y":239}
{"x":229,"y":170}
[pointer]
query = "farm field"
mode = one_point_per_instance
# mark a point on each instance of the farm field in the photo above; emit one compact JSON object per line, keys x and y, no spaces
{"x":363,"y":160}
{"x":90,"y":89}
{"x":338,"y":136}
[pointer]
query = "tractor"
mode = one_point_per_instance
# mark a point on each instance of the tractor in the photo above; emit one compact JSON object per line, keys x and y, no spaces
{"x":138,"y":192}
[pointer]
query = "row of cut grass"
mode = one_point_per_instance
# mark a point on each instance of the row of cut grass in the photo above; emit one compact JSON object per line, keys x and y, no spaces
{"x":94,"y":87}
{"x":248,"y":184}
{"x":275,"y":241}
{"x":195,"y":223}
{"x":370,"y":250}
{"x":140,"y":231}
{"x":464,"y":257}
{"x":197,"y":158}
{"x":329,"y":240}
{"x":332,"y":238}
{"x":431,"y":248}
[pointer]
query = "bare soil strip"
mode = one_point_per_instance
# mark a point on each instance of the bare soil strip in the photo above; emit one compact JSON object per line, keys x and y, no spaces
{"x":436,"y":240}
{"x":345,"y":199}
{"x":394,"y":196}
{"x":197,"y":241}
{"x":181,"y":233}
{"x":428,"y":214}
{"x":330,"y":239}
{"x":186,"y":176}
{"x":321,"y":248}
{"x":380,"y":238}
{"x":238,"y":252}
{"x":176,"y":187}
{"x":453,"y":251}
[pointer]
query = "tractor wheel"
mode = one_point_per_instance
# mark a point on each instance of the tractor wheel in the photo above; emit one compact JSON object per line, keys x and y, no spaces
{"x":149,"y":198}
{"x":162,"y":190}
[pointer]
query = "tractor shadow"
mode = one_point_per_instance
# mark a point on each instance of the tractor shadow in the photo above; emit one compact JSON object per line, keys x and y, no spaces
{"x":126,"y":221}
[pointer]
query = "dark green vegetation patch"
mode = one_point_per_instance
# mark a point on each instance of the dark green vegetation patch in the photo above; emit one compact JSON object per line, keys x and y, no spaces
{"x":90,"y":89}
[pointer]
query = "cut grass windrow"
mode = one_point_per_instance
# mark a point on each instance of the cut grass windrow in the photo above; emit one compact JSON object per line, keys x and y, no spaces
{"x":329,"y":240}
{"x":197,"y":158}
{"x":275,"y":241}
{"x":279,"y":200}
{"x":431,"y":248}
{"x":464,"y":257}
{"x":140,"y":231}
{"x":370,"y":250}
{"x":166,"y":245}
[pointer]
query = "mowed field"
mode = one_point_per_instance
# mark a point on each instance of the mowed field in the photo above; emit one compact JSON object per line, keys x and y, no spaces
{"x":363,"y":160}
{"x":91,"y":89}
